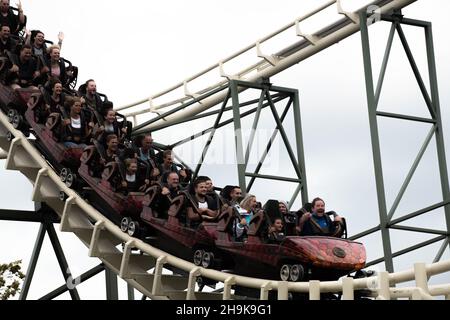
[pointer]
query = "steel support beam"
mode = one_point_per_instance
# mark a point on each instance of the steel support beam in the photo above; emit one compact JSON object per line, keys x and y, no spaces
{"x":384,"y":64}
{"x":300,"y":150}
{"x":82,"y":278}
{"x":61,"y":259}
{"x":25,"y":216}
{"x":32,"y":264}
{"x":411,"y":173}
{"x":254,"y":126}
{"x":223,"y":124}
{"x":439,"y":131}
{"x":433,"y":105}
{"x":112,"y":292}
{"x":408,"y":250}
{"x":269,"y":146}
{"x":211,"y":136}
{"x":130,"y":292}
{"x":441,"y":251}
{"x":372,"y":106}
{"x":238,"y":138}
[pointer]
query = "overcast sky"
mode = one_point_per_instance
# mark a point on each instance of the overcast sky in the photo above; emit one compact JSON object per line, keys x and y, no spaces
{"x":140,"y":48}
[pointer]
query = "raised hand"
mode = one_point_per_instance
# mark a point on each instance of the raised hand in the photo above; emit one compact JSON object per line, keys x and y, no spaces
{"x":61,"y":36}
{"x":19,"y":6}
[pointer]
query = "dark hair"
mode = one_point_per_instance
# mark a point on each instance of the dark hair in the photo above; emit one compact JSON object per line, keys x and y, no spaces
{"x":225,"y":193}
{"x":167,"y":153}
{"x":172,"y":172}
{"x":203,"y":178}
{"x":197,"y":182}
{"x":5,"y":25}
{"x":277,"y":218}
{"x":26,"y":46}
{"x":52,"y":82}
{"x":313,"y":203}
{"x":110,"y":137}
{"x":34,"y":33}
{"x":87,"y":82}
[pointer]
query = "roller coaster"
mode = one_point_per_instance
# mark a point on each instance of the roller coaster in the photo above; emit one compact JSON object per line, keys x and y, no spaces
{"x":141,"y":261}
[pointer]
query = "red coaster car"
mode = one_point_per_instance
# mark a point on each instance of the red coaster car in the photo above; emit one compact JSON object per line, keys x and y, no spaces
{"x":103,"y":196}
{"x":293,"y":258}
{"x":66,"y":160}
{"x":174,"y":234}
{"x":14,"y":103}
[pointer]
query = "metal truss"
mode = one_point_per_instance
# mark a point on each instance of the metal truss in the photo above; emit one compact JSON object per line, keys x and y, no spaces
{"x":269,"y":96}
{"x":47,"y":217}
{"x":432,"y":101}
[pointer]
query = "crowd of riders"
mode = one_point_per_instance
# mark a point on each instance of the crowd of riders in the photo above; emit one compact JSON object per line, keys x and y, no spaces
{"x":83,"y":117}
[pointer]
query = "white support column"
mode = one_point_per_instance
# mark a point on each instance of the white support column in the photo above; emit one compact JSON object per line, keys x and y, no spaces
{"x":265,"y":288}
{"x":420,"y":274}
{"x":314,"y":290}
{"x":347,"y":289}
{"x":416,"y":294}
{"x":124,"y":272}
{"x":192,"y":282}
{"x":157,"y":288}
{"x":384,"y":292}
{"x":93,"y":248}
{"x":283,"y":292}
{"x":37,"y":193}
{"x":227,"y":287}
{"x":65,"y":225}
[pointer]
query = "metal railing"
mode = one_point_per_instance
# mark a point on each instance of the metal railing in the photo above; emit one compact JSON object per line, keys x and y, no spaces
{"x":265,"y":66}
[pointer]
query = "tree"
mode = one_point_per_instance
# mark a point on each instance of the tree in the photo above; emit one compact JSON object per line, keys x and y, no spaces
{"x":11,"y":277}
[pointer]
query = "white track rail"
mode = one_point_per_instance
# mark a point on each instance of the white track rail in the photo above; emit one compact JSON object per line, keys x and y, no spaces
{"x":103,"y":238}
{"x":266,"y":65}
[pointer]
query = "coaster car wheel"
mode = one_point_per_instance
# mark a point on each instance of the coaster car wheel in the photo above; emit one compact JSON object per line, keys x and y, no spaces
{"x":64,"y":173}
{"x":133,"y":229}
{"x":207,"y":259}
{"x":124,"y":224}
{"x":297,"y":273}
{"x":285,"y":272}
{"x":198,"y":257}
{"x":9,"y":136}
{"x":11,"y":114}
{"x":71,"y":180}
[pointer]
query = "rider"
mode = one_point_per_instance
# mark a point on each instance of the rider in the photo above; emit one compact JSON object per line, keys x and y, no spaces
{"x":318,"y":223}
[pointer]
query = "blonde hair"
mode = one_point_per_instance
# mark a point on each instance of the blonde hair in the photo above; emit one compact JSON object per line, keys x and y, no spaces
{"x":53,"y":47}
{"x":245,"y":204}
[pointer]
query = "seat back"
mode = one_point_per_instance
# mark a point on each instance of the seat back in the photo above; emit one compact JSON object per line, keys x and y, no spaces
{"x":177,"y":206}
{"x":111,"y":169}
{"x":226,"y":220}
{"x":257,"y":224}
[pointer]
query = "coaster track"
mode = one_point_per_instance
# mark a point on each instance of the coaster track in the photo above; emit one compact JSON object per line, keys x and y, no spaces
{"x":144,"y":270}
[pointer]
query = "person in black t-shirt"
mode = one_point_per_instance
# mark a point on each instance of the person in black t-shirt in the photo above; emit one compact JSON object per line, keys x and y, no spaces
{"x":6,"y":43}
{"x":7,"y":16}
{"x":24,"y":71}
{"x":203,"y":204}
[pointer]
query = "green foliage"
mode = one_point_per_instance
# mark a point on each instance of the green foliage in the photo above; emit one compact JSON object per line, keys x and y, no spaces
{"x":11,"y":277}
